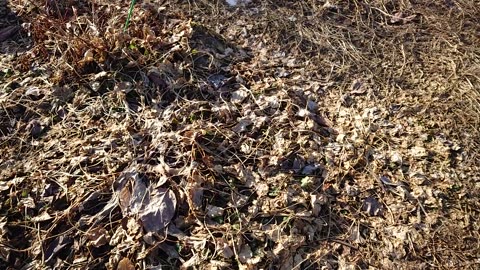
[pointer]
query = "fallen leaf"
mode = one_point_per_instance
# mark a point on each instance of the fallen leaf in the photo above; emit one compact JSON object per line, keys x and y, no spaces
{"x":139,"y":195}
{"x":33,"y":91}
{"x":372,"y":207}
{"x":225,"y":249}
{"x":387,"y":182}
{"x":396,"y":158}
{"x":97,"y":237}
{"x":3,"y":229}
{"x":317,"y":201}
{"x":125,"y":264}
{"x":217,"y":80}
{"x":35,"y":127}
{"x":44,"y":216}
{"x":312,"y":106}
{"x":124,"y":197}
{"x":91,"y":199}
{"x":56,"y":246}
{"x":242,"y":125}
{"x":124,"y":87}
{"x":157,"y":79}
{"x":27,"y":202}
{"x":4,"y":185}
{"x":358,"y":87}
{"x":245,"y":254}
{"x":418,"y":152}
{"x":158,"y":210}
{"x":355,"y":235}
{"x":238,"y":96}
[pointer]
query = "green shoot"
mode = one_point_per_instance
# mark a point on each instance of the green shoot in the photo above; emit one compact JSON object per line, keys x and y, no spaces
{"x":130,"y":12}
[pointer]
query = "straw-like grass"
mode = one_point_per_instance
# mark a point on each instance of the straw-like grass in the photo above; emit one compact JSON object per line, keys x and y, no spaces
{"x":294,"y":134}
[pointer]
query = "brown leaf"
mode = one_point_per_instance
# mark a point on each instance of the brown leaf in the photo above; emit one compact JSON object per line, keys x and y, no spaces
{"x":124,"y":198}
{"x":125,"y":264}
{"x":159,"y":210}
{"x":372,"y":207}
{"x":245,"y":254}
{"x":358,"y":87}
{"x":156,"y":78}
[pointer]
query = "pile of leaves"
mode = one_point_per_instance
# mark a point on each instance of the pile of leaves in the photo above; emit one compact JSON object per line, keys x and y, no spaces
{"x":240,"y":135}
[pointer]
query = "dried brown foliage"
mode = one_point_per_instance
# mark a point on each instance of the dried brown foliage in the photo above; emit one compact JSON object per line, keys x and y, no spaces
{"x":272,"y":134}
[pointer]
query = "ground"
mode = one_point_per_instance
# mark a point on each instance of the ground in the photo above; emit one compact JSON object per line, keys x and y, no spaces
{"x":261,"y":135}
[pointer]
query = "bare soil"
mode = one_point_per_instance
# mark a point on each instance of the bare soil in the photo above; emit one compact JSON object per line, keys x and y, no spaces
{"x":265,"y":135}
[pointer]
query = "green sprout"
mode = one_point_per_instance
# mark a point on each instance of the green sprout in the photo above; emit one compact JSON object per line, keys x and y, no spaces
{"x":130,"y":12}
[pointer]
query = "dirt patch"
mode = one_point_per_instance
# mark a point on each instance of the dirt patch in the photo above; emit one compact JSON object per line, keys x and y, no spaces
{"x":300,"y":135}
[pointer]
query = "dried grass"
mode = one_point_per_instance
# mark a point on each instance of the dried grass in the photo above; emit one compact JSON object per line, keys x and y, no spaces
{"x":295,"y":135}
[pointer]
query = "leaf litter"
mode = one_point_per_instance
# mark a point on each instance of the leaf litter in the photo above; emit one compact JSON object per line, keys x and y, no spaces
{"x":239,"y":135}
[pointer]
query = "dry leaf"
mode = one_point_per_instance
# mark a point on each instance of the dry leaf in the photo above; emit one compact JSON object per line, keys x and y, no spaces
{"x":245,"y":254}
{"x":418,"y":152}
{"x":372,"y":207}
{"x":125,"y":264}
{"x":238,"y":96}
{"x":56,"y":246}
{"x":358,"y":87}
{"x":97,"y":237}
{"x":27,"y":202}
{"x":158,"y":210}
{"x":217,"y":80}
{"x":44,"y":216}
{"x":242,"y":125}
{"x":124,"y":197}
